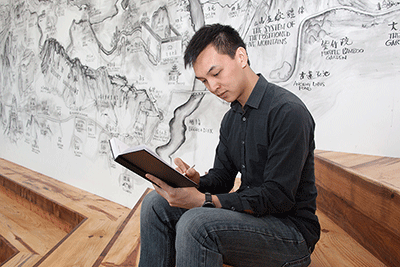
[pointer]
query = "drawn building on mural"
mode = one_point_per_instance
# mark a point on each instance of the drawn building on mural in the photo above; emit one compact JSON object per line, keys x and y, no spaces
{"x":158,"y":48}
{"x":74,"y":75}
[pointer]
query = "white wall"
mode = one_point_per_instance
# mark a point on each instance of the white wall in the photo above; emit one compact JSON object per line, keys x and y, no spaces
{"x":73,"y":76}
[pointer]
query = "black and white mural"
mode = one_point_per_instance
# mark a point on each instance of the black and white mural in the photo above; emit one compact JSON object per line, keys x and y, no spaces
{"x":74,"y":73}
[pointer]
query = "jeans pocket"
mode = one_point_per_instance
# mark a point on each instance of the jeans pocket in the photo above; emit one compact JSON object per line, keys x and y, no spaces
{"x":305,"y":261}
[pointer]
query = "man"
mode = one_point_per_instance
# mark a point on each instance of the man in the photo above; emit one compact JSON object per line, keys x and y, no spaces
{"x":267,"y":136}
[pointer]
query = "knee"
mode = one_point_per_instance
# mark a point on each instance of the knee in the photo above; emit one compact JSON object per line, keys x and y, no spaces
{"x":151,"y":198}
{"x":192,"y":224}
{"x":196,"y":228}
{"x":151,"y":202}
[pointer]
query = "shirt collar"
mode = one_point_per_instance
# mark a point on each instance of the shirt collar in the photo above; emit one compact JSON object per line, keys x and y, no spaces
{"x":255,"y":96}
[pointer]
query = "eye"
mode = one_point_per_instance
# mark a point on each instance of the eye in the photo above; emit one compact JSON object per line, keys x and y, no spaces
{"x":216,"y":74}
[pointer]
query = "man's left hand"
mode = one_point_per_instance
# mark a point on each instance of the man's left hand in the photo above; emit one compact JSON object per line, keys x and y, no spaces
{"x":182,"y":197}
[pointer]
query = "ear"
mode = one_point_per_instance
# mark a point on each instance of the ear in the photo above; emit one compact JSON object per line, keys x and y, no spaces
{"x":242,"y":58}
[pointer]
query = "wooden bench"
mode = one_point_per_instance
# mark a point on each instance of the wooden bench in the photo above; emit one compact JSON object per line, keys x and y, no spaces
{"x":361,"y":194}
{"x":45,"y":222}
{"x":49,"y":223}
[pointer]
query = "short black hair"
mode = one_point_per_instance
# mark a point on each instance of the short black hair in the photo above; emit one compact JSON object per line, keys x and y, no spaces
{"x":224,"y":38}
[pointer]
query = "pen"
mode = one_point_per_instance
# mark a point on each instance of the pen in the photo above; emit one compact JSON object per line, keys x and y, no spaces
{"x":190,"y":168}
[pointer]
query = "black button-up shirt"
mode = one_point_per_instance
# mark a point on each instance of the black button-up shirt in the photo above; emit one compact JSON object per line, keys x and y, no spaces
{"x":270,"y":141}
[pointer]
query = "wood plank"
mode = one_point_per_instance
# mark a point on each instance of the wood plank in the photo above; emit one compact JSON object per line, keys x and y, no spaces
{"x":109,"y":236}
{"x":26,"y":230}
{"x":367,"y":210}
{"x":338,"y":248}
{"x":23,"y":259}
{"x":366,"y":194}
{"x":7,"y":250}
{"x":86,"y":241}
{"x":346,"y":160}
{"x":384,"y":171}
{"x":125,"y":251}
{"x":63,"y":217}
{"x":379,"y":170}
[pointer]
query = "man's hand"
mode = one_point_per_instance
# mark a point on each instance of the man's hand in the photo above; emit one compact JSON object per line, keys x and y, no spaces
{"x":183,"y":197}
{"x":184,"y":168}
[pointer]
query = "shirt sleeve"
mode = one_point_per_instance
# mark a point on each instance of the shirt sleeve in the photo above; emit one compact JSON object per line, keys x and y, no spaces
{"x":291,"y":139}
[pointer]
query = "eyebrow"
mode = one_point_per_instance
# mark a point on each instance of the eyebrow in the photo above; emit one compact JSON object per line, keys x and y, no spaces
{"x":212,"y":67}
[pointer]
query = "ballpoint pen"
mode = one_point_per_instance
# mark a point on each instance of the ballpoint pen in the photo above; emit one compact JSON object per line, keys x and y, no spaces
{"x":189,"y":168}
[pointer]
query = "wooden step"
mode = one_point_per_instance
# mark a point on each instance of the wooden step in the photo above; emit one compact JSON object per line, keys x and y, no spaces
{"x":7,"y":250}
{"x":92,"y":231}
{"x":29,"y":232}
{"x":338,"y":248}
{"x":361,"y":194}
{"x":50,"y":223}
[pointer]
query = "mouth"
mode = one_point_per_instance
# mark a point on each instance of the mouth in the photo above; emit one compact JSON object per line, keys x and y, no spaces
{"x":222,"y":95}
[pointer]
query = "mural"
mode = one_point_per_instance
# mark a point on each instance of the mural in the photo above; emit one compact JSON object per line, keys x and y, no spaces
{"x":73,"y":74}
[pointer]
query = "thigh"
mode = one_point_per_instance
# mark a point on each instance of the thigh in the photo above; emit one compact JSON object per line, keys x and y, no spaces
{"x":157,"y":231}
{"x":156,"y":209}
{"x":246,"y":240}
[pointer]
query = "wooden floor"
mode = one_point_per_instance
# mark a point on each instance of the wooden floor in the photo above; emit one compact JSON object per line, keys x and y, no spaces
{"x":45,"y":222}
{"x":48,"y":223}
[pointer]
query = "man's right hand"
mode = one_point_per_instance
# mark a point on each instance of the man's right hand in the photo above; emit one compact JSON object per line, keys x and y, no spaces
{"x":185,"y":169}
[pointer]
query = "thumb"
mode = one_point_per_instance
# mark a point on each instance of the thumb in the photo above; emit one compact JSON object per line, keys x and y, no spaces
{"x":181,"y":165}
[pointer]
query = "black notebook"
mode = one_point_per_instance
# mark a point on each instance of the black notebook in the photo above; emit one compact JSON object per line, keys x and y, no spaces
{"x":141,"y":160}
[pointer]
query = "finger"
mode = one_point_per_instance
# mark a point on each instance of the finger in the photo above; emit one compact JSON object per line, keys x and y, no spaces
{"x":193,"y":175}
{"x":190,"y":172}
{"x":159,"y":183}
{"x":181,"y":165}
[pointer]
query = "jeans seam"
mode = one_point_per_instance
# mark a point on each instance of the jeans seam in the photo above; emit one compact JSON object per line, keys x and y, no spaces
{"x":299,"y":261}
{"x":259,"y":233}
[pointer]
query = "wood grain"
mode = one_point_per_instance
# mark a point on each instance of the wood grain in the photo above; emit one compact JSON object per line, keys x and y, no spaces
{"x":358,"y":200}
{"x":52,"y":223}
{"x":124,"y":248}
{"x":7,"y":250}
{"x":76,"y":228}
{"x":338,"y":248}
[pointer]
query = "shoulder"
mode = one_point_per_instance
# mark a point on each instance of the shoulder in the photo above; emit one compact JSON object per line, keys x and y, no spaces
{"x":284,"y":107}
{"x":281,"y":98}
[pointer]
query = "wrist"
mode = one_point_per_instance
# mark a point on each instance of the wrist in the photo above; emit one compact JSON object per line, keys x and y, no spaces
{"x":208,"y":202}
{"x":216,"y":201}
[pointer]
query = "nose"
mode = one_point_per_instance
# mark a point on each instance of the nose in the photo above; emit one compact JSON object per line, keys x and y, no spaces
{"x":213,"y":86}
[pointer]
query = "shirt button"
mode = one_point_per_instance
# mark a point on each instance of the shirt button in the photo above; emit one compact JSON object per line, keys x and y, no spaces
{"x":244,"y":119}
{"x":243,"y":167}
{"x":242,"y":142}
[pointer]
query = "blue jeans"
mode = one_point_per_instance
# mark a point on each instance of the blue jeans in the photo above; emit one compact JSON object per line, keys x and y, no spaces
{"x":210,"y":237}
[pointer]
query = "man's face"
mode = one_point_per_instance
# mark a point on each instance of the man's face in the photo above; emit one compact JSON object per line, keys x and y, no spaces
{"x":222,"y":75}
